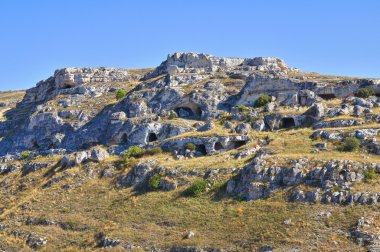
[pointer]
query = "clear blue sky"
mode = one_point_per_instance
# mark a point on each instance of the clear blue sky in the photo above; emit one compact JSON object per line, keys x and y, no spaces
{"x":328,"y":36}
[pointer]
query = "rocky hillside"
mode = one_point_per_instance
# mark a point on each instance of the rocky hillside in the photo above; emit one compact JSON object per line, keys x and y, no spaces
{"x":202,"y":153}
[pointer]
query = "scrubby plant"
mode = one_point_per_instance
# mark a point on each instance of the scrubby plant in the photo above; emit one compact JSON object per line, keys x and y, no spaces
{"x":190,"y":146}
{"x":370,"y":174}
{"x":25,"y":154}
{"x":120,"y":93}
{"x":197,"y":188}
{"x":263,"y":100}
{"x":225,"y":117}
{"x":365,"y":92}
{"x":134,"y":151}
{"x":250,"y":119}
{"x":154,"y":182}
{"x":128,"y":162}
{"x":172,"y":115}
{"x":242,"y":108}
{"x":351,"y":144}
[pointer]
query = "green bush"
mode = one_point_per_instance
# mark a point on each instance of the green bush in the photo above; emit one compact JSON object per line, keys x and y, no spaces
{"x":190,"y":146}
{"x":154,"y":182}
{"x":134,"y":151}
{"x":172,"y":115}
{"x":128,"y":162}
{"x":25,"y":154}
{"x":250,"y":119}
{"x":365,"y":92}
{"x":263,"y":100}
{"x":120,"y":93}
{"x":370,"y":174}
{"x":351,"y":144}
{"x":197,"y":188}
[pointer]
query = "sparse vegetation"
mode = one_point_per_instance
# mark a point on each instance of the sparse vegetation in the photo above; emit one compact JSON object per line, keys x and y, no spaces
{"x":25,"y":154}
{"x":154,"y":182}
{"x":370,"y":174}
{"x":120,"y":94}
{"x":134,"y":151}
{"x":365,"y":92}
{"x":242,"y":108}
{"x":172,"y":115}
{"x":263,"y":100}
{"x":351,"y":144}
{"x":198,"y":187}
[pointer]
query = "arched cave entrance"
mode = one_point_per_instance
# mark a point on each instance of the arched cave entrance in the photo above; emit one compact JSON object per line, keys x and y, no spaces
{"x":327,"y":96}
{"x":201,"y":148}
{"x":189,"y":110}
{"x":152,"y":137}
{"x":218,"y":146}
{"x":287,"y":123}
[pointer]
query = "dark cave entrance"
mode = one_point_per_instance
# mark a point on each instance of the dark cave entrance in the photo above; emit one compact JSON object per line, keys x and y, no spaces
{"x":238,"y":144}
{"x":327,"y":96}
{"x":201,"y":148}
{"x":189,"y":111}
{"x":124,"y":138}
{"x":287,"y":123}
{"x":152,"y":137}
{"x":218,"y":146}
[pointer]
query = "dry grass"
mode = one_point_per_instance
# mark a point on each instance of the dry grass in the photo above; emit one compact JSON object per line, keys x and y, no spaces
{"x":161,"y":219}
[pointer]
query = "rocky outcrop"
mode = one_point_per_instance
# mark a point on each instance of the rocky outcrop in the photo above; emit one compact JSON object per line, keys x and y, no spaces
{"x":259,"y":179}
{"x":64,"y":111}
{"x":205,"y":145}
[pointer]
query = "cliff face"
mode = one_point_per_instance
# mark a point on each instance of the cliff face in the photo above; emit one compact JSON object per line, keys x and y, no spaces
{"x":68,"y":110}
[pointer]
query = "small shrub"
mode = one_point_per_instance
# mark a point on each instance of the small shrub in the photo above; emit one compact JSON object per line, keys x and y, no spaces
{"x":153,"y":151}
{"x":365,"y":92}
{"x":128,"y":162}
{"x":370,"y":174}
{"x":263,"y":100}
{"x":154,"y":182}
{"x":242,"y":108}
{"x":172,"y":115}
{"x":250,"y":119}
{"x":351,"y":144}
{"x":134,"y":151}
{"x":197,"y":188}
{"x":190,"y":146}
{"x":225,"y":117}
{"x":25,"y":154}
{"x":120,"y":93}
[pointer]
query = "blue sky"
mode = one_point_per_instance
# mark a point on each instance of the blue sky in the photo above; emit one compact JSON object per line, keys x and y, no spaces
{"x":328,"y":36}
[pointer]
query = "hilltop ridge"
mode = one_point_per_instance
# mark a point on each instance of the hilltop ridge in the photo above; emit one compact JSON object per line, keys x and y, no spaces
{"x":201,"y":153}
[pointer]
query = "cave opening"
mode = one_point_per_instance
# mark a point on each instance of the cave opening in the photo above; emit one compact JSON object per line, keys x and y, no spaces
{"x":218,"y":146}
{"x":287,"y":123}
{"x":327,"y":96}
{"x":152,"y":137}
{"x":189,"y":111}
{"x":201,"y":148}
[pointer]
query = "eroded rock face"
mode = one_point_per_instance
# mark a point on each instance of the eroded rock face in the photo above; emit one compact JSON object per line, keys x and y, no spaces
{"x":65,"y":111}
{"x":206,"y":145}
{"x":258,"y":179}
{"x":201,"y":63}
